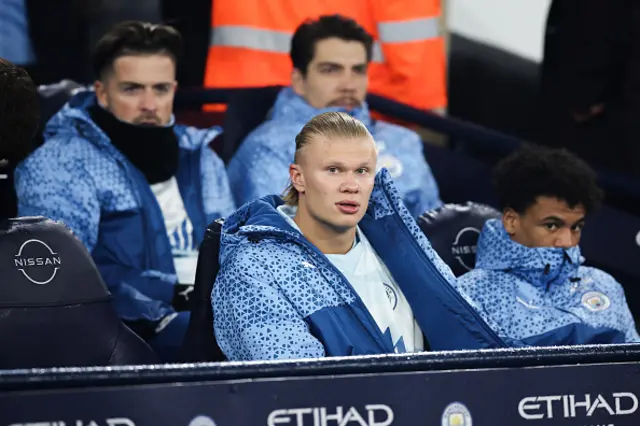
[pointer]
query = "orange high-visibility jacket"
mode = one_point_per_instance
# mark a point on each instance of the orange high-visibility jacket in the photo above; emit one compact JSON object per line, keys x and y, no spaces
{"x":250,"y":42}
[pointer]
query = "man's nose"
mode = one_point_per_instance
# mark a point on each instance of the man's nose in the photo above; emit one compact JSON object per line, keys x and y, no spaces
{"x":148,"y":101}
{"x":350,"y":184}
{"x":564,"y":239}
{"x":348,"y":82}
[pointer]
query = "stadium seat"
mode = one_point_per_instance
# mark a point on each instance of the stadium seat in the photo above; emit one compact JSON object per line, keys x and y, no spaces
{"x":453,"y":231}
{"x":200,"y":342}
{"x":55,"y":310}
{"x":246,"y":110}
{"x":52,"y":97}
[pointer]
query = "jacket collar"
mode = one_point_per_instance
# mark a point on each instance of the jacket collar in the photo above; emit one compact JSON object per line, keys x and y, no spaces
{"x":74,"y":118}
{"x":291,"y":107}
{"x":539,"y":266}
{"x":259,"y":219}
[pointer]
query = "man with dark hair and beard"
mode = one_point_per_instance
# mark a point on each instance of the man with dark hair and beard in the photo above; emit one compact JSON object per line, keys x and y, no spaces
{"x":136,"y":188}
{"x":330,"y":57}
{"x":18,"y":125}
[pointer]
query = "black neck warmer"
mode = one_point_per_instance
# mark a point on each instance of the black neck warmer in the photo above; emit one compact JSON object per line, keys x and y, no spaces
{"x":152,"y":149}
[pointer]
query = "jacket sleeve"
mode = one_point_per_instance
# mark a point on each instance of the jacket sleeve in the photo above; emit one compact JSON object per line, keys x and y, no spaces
{"x":257,"y":170}
{"x":253,"y":319}
{"x":416,"y":184}
{"x":64,"y":192}
{"x":626,"y":318}
{"x":216,"y":192}
{"x":413,"y":52}
{"x":429,"y":196}
{"x":467,"y":286}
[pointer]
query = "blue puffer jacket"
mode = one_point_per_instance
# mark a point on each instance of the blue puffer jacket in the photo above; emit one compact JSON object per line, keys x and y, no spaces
{"x":543,"y":296}
{"x":276,"y":296}
{"x":78,"y":177}
{"x":260,"y":167}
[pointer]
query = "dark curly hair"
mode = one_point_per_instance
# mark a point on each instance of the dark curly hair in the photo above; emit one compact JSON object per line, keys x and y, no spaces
{"x":135,"y":38}
{"x":533,"y":171}
{"x":19,"y":112}
{"x":311,"y":31}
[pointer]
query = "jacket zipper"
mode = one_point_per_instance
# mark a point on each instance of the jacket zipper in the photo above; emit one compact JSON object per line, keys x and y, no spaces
{"x":135,"y":185}
{"x":448,"y":286}
{"x":378,"y":334}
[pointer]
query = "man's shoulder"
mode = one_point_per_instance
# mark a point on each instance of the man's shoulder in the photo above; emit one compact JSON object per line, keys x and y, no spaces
{"x":262,"y":253}
{"x":266,"y":260}
{"x":598,"y":278}
{"x":60,"y":151}
{"x":384,"y":127}
{"x":272,"y":133}
{"x":478,"y":281}
{"x":274,"y":140}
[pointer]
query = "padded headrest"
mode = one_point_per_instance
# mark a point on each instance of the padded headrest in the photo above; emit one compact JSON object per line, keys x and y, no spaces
{"x":52,"y":97}
{"x":453,"y":231}
{"x":43,"y":263}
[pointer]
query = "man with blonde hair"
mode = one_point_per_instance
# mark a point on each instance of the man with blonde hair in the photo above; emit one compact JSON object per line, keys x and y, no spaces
{"x":338,"y":267}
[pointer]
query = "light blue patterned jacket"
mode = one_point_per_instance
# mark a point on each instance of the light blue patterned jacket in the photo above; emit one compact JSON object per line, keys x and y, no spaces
{"x":543,"y":296}
{"x":260,"y":166}
{"x":78,"y":177}
{"x":276,"y":296}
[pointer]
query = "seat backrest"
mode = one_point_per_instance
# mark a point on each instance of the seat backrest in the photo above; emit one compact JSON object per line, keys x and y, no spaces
{"x":52,"y":97}
{"x":460,"y":178}
{"x":246,"y":110}
{"x":200,"y":342}
{"x":453,"y":231}
{"x":55,"y":310}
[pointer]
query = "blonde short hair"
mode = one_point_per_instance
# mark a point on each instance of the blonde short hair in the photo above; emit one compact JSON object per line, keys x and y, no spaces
{"x":328,"y":125}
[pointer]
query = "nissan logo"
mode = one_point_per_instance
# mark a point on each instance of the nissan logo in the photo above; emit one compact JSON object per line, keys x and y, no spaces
{"x":37,"y":262}
{"x":465,"y":246}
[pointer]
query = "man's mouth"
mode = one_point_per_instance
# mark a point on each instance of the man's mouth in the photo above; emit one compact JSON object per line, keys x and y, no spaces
{"x":148,"y":121}
{"x":348,"y":206}
{"x":346,"y":103}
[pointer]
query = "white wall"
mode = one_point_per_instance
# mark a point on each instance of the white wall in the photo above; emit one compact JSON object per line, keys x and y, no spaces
{"x":513,"y":25}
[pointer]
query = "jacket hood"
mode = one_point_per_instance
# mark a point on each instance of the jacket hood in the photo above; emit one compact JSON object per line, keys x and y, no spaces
{"x":538,"y":266}
{"x":260,"y":219}
{"x":291,"y":107}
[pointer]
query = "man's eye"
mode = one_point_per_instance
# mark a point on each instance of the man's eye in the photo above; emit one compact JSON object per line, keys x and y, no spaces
{"x":551,"y":226}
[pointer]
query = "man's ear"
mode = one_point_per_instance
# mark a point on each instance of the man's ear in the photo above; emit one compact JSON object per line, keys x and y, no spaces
{"x":510,"y":221}
{"x":297,"y":177}
{"x":101,"y":93}
{"x":297,"y":82}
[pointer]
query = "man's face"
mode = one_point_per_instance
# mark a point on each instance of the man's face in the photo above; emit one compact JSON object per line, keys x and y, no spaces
{"x":336,"y":76}
{"x":548,"y":223}
{"x":334,"y":179}
{"x":140,"y":89}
